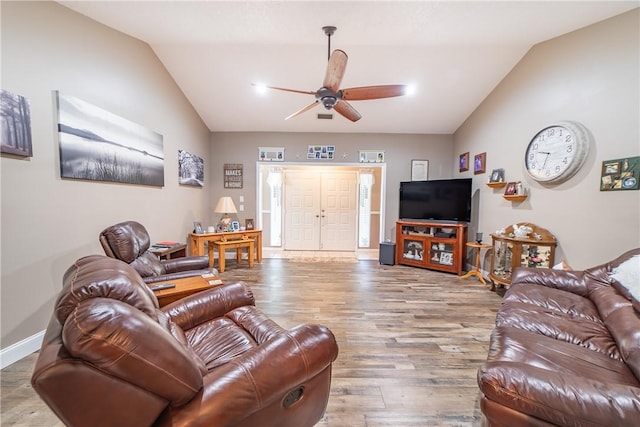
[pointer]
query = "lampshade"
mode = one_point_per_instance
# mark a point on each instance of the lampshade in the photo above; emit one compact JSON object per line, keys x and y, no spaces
{"x":225,"y":205}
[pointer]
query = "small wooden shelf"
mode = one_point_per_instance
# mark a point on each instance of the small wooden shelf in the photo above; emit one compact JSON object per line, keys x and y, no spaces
{"x":496,"y":184}
{"x":515,"y":197}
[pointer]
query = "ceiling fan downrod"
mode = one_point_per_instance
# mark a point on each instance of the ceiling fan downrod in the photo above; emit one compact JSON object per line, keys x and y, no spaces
{"x":329,"y":30}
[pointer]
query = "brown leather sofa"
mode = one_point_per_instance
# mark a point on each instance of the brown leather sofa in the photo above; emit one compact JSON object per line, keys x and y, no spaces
{"x":111,"y":357}
{"x":565,"y":350}
{"x":129,"y":241}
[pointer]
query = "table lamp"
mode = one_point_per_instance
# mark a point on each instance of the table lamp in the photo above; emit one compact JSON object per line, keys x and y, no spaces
{"x":225,"y":206}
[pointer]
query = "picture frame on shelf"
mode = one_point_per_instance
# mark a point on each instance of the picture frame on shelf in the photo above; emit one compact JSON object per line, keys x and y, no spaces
{"x":510,"y":189}
{"x":197,"y":227}
{"x":248,"y":224}
{"x":464,"y":162}
{"x":235,"y":225}
{"x":497,"y":175}
{"x":419,"y":170}
{"x":479,"y":163}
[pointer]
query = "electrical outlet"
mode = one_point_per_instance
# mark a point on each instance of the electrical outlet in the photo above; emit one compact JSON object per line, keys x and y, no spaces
{"x":241,"y":208}
{"x":241,"y":199}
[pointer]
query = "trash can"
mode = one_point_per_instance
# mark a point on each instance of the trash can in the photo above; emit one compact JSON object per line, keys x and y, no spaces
{"x":387,"y":253}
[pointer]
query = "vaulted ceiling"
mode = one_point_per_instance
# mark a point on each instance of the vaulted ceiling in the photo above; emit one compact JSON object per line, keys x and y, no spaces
{"x":453,"y":53}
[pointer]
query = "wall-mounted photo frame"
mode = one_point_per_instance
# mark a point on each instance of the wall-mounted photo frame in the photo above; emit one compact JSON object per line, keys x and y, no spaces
{"x":419,"y":170}
{"x":463,"y":162}
{"x":479,"y":163}
{"x":497,"y":175}
{"x":14,"y":109}
{"x":197,"y":227}
{"x":248,"y":224}
{"x":371,"y":156}
{"x":321,"y":152}
{"x":271,"y":154}
{"x":510,"y":189}
{"x":620,"y":174}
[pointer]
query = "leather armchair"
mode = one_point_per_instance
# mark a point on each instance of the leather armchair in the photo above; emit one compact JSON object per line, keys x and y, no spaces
{"x":129,"y":242}
{"x":111,"y":357}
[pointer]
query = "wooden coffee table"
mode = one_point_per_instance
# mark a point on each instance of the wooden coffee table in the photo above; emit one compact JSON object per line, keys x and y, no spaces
{"x":184,"y":287}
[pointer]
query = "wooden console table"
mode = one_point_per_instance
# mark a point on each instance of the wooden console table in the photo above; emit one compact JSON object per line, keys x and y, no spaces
{"x":197,"y":241}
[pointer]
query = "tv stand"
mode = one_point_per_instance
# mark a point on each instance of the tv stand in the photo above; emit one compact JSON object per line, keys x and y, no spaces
{"x":437,"y":245}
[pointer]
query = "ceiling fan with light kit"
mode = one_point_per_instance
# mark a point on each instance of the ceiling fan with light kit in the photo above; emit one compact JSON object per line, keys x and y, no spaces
{"x":331,"y":96}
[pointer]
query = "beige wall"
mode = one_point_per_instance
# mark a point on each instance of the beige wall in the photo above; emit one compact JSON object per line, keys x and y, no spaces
{"x":590,"y":76}
{"x":400,"y":149}
{"x":47,"y":222}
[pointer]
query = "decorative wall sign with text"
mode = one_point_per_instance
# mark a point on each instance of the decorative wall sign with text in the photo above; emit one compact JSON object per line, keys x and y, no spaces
{"x":232,"y":175}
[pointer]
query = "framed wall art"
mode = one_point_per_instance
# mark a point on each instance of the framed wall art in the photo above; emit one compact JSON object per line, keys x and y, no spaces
{"x":463,"y":162}
{"x":419,"y":170}
{"x":190,"y":169}
{"x":371,"y":156}
{"x":271,"y":154}
{"x":15,"y":116}
{"x":479,"y":163}
{"x":321,"y":152}
{"x":497,"y":175}
{"x":98,"y":145}
{"x":620,"y":174}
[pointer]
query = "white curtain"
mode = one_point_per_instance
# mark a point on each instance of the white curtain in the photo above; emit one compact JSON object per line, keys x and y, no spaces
{"x":275,"y":194}
{"x":364,"y":215}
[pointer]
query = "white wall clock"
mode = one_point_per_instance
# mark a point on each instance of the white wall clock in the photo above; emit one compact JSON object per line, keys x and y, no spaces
{"x":557,"y":152}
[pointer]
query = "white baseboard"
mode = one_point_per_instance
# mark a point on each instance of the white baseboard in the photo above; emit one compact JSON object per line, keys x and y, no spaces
{"x":21,"y":349}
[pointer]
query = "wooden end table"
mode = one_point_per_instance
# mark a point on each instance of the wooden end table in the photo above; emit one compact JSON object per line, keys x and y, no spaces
{"x":176,"y":251}
{"x":184,"y":287}
{"x":238,"y":245}
{"x":476,"y":271}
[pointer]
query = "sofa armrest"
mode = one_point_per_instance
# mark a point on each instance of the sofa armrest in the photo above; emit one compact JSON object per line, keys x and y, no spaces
{"x":201,"y":307}
{"x":260,"y":377}
{"x":185,"y":263}
{"x":565,"y":280}
{"x":560,"y":399}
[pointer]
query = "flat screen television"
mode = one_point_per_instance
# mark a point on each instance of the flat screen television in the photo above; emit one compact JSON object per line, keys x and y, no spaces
{"x":440,"y":200}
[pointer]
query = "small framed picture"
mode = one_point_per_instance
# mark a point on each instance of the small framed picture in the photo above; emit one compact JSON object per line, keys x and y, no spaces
{"x":419,"y":170}
{"x":197,"y":227}
{"x":510,"y":189}
{"x":479,"y":163}
{"x":464,"y":162}
{"x":497,"y":175}
{"x":248,"y":224}
{"x":235,"y":225}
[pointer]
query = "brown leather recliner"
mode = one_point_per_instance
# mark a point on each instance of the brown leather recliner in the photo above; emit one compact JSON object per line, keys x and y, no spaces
{"x":129,"y":242}
{"x":111,"y":357}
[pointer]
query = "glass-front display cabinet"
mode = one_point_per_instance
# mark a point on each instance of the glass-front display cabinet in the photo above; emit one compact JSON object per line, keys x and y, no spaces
{"x":520,"y":245}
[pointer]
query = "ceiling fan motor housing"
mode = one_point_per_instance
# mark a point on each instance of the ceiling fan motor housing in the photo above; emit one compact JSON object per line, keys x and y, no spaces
{"x":327,"y":97}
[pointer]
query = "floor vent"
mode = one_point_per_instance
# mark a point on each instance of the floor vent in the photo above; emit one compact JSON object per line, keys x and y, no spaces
{"x":324,"y":116}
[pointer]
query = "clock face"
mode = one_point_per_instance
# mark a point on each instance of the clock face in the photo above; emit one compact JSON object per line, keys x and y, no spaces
{"x":557,"y":152}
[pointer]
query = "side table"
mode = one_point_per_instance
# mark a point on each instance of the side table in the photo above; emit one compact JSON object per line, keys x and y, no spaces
{"x":184,"y":287}
{"x":476,"y":271}
{"x":175,"y":251}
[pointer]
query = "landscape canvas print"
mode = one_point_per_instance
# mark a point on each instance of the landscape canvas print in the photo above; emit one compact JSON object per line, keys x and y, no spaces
{"x":98,"y":145}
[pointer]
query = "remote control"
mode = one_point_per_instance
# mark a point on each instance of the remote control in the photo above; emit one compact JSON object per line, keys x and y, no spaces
{"x":161,"y":287}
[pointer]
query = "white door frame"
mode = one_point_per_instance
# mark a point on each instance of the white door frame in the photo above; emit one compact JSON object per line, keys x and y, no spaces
{"x":262,"y":167}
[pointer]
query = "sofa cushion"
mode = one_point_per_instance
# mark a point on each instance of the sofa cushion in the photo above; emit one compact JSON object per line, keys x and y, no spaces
{"x":553,"y":299}
{"x":558,"y":325}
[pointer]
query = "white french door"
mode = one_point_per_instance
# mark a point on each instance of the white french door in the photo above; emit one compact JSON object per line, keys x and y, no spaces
{"x":320,"y":210}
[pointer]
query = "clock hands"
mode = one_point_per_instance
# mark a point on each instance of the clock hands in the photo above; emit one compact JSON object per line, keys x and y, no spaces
{"x":545,"y":159}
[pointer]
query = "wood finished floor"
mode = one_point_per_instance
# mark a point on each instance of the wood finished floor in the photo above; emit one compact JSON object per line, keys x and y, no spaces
{"x":410,"y":341}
